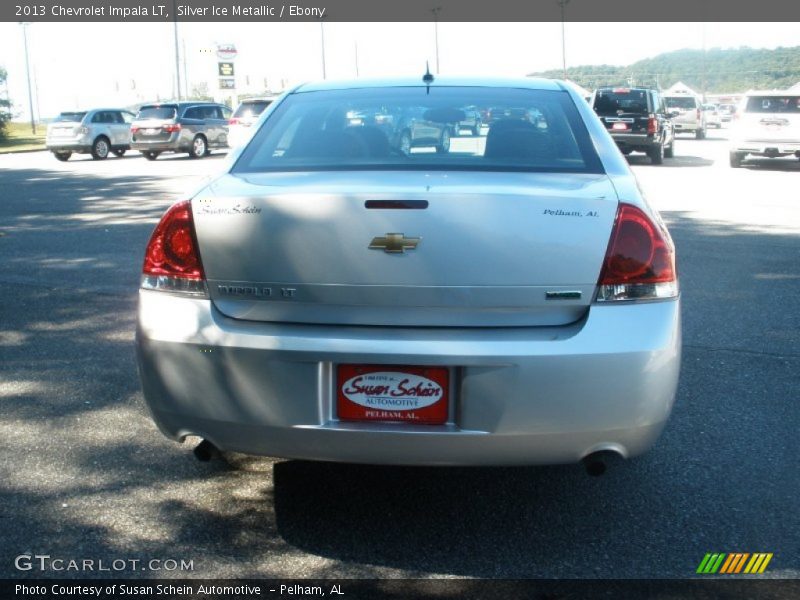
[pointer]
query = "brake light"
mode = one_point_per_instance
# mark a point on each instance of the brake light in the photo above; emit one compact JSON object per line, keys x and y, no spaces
{"x":640,"y":260}
{"x":233,"y":121}
{"x":171,"y":128}
{"x":134,"y":129}
{"x":172,"y":261}
{"x":652,"y":124}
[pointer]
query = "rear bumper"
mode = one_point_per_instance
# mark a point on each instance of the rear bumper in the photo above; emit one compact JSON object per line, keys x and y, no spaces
{"x":79,"y":146}
{"x":520,"y":395}
{"x":175,"y":143}
{"x":635,"y":141}
{"x":765,"y":147}
{"x":687,"y":126}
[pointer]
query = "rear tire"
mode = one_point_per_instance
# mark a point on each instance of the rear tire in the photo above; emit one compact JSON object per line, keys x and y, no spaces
{"x":736,"y":159}
{"x":444,"y":143}
{"x":150,"y":155}
{"x":670,"y":152}
{"x":62,"y":156}
{"x":657,"y":155}
{"x":700,"y":134}
{"x":199,"y":147}
{"x":101,"y":148}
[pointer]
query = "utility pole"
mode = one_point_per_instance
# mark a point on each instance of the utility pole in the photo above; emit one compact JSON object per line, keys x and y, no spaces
{"x":177,"y":50}
{"x":562,"y":4}
{"x":28,"y":73}
{"x":436,"y":12}
{"x":185,"y":70}
{"x":322,"y":43}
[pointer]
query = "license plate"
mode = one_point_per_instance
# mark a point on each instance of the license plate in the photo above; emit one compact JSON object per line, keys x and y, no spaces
{"x":392,"y":393}
{"x":150,"y":131}
{"x":619,"y":127}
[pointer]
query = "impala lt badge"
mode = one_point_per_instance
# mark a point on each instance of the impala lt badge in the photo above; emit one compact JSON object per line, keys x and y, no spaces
{"x":394,"y":243}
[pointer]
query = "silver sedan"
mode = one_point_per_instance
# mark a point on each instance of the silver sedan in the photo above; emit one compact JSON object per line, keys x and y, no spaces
{"x":502,"y":299}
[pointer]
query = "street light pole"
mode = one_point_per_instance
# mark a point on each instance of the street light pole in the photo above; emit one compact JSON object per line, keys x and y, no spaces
{"x":436,"y":12}
{"x":322,"y":43}
{"x":563,"y":3}
{"x":28,"y":73}
{"x":177,"y":50}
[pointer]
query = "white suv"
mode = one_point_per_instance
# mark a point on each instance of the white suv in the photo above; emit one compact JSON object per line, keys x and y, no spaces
{"x":766,"y":124}
{"x":689,"y":116}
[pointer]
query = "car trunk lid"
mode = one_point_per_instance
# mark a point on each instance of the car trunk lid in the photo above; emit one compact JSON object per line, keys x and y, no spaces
{"x":405,"y":248}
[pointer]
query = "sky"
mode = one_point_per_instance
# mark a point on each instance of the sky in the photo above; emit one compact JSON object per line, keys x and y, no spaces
{"x":81,"y":65}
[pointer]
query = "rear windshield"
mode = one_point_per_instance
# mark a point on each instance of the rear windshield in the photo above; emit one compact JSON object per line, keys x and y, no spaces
{"x":614,"y":102}
{"x":71,"y":117}
{"x":251,"y":109}
{"x":415,"y":128}
{"x":773,"y":104}
{"x":156,"y":112}
{"x":680,"y":102}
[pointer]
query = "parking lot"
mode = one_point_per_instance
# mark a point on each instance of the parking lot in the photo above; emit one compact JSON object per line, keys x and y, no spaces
{"x":87,"y":475}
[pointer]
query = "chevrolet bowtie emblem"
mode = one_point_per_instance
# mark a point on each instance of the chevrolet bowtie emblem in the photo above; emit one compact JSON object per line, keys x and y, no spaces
{"x":393,"y":243}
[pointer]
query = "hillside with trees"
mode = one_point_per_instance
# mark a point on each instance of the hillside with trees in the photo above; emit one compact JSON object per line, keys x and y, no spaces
{"x":716,"y":70}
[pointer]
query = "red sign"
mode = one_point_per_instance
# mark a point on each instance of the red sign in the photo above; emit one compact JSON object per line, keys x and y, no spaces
{"x":392,"y":393}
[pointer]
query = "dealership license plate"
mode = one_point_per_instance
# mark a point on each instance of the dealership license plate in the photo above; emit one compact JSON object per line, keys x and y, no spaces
{"x":391,"y":393}
{"x":151,"y":131}
{"x":619,"y":127}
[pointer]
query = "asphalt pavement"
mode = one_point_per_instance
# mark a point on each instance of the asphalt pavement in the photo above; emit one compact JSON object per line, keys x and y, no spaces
{"x":86,"y":475}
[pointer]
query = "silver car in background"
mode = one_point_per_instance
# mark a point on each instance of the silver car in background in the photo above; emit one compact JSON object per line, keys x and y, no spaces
{"x":244,"y":117}
{"x":337,"y":296}
{"x":97,"y":132}
{"x":192,"y":127}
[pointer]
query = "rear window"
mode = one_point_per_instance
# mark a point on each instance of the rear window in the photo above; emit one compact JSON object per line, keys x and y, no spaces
{"x":70,"y":117}
{"x":413,"y":128}
{"x":614,"y":102}
{"x":156,"y":112}
{"x":773,"y":104}
{"x":251,"y":109}
{"x":686,"y":102}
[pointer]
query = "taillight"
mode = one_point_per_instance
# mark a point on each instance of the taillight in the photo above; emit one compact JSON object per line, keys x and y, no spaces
{"x":171,"y":261}
{"x":233,"y":121}
{"x":652,"y":124}
{"x":640,"y":260}
{"x":171,"y":128}
{"x":134,"y":129}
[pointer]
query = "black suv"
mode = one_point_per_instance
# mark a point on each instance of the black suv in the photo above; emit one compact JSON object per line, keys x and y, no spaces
{"x":637,"y":119}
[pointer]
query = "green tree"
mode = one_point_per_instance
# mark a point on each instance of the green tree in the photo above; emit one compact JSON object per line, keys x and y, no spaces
{"x":5,"y":106}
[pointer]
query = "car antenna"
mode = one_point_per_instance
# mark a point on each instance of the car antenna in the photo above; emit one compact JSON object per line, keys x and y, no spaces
{"x":427,"y":79}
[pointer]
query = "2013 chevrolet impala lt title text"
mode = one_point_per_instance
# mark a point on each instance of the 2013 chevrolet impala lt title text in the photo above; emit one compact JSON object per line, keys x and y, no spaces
{"x":400,"y":292}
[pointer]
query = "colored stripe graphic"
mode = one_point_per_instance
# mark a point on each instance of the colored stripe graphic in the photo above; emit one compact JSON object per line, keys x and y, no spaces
{"x":758,"y":563}
{"x":711,"y":562}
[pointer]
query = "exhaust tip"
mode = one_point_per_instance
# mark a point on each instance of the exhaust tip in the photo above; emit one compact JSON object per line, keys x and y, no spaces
{"x":596,"y":463}
{"x":205,"y":451}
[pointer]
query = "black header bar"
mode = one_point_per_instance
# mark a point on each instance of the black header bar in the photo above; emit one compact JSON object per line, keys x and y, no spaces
{"x":240,"y":11}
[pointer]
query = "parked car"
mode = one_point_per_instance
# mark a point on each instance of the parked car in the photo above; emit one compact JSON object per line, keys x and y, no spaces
{"x":688,"y":115}
{"x":193,"y":127}
{"x":472,"y":120}
{"x":332,"y":298}
{"x":97,"y":132}
{"x":637,"y":120}
{"x":713,"y":117}
{"x":245,"y":115}
{"x":767,"y":124}
{"x":726,"y":112}
{"x":415,"y":127}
